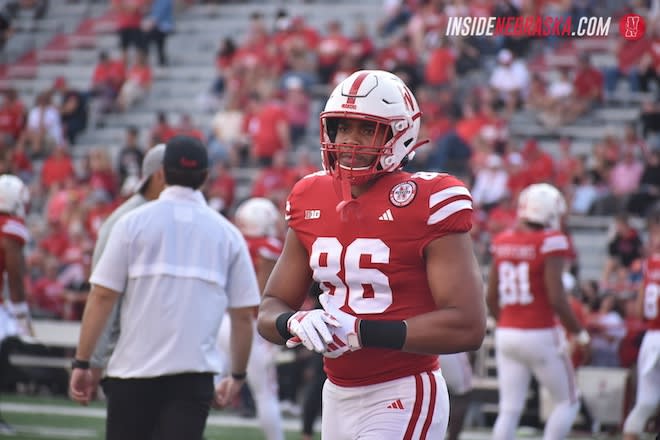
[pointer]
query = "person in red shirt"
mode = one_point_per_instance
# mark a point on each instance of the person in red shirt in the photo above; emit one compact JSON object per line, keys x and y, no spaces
{"x":269,"y":131}
{"x":275,"y":182}
{"x":539,"y":166}
{"x":137,"y":84}
{"x":129,"y":25}
{"x":568,"y":166}
{"x":588,"y":87}
{"x":525,"y":295}
{"x":108,"y":77}
{"x":187,"y":128}
{"x":12,"y":116}
{"x":57,"y":168}
{"x":221,"y":191}
{"x":441,"y":65}
{"x":331,"y":47}
{"x":162,"y":131}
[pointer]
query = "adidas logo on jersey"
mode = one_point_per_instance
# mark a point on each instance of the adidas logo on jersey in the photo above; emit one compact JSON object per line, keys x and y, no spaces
{"x":386,"y":216}
{"x":397,"y":404}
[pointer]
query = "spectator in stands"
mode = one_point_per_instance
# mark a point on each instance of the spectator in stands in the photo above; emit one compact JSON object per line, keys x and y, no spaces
{"x":510,"y":79}
{"x":12,"y":113}
{"x":587,"y":90}
{"x":649,"y":64}
{"x":559,"y":94}
{"x":440,"y":68}
{"x":624,"y":248}
{"x":362,"y":46}
{"x":5,"y":26}
{"x":269,"y":130}
{"x":330,"y":48}
{"x":129,"y":25}
{"x":57,"y":168}
{"x":625,"y":176}
{"x":539,"y":165}
{"x":158,"y":24}
{"x":297,"y":105}
{"x":108,"y":78}
{"x":137,"y":84}
{"x":568,"y":166}
{"x":221,"y":190}
{"x":43,"y":128}
{"x":490,"y":185}
{"x":186,"y":127}
{"x":607,"y":328}
{"x":72,"y":108}
{"x":47,"y":295}
{"x":130,"y":157}
{"x":648,"y":191}
{"x":162,"y":131}
{"x":101,"y":175}
{"x":275,"y":181}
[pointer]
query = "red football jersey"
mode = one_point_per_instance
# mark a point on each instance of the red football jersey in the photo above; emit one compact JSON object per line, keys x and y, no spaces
{"x":269,"y":248}
{"x":13,"y":228}
{"x":652,"y":291}
{"x":519,"y":257}
{"x":373,"y":266}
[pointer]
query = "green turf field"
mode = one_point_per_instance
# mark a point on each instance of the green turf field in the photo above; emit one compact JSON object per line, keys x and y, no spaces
{"x":37,"y":418}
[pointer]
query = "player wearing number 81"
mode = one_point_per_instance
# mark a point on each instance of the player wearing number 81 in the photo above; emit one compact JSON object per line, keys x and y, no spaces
{"x":648,"y":362}
{"x":392,"y":254}
{"x":525,"y":295}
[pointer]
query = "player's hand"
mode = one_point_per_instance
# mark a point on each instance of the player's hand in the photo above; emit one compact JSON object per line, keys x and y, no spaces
{"x":80,"y":386}
{"x":312,"y":329}
{"x":346,"y":337}
{"x":226,"y":390}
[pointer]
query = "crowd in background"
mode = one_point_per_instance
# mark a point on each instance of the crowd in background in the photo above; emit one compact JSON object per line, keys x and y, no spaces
{"x":266,"y":92}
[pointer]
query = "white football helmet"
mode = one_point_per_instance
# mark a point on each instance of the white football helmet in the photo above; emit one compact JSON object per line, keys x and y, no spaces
{"x":14,"y":195}
{"x":258,"y":217}
{"x":376,"y":96}
{"x":543,"y":204}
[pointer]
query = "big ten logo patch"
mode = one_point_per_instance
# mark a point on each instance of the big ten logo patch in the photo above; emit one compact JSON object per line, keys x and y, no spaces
{"x":312,"y":214}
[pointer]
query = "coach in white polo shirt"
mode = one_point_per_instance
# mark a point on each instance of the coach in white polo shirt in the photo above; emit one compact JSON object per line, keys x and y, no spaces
{"x":180,"y":265}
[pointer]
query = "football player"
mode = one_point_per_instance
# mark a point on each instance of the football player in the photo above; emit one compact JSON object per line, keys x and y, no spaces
{"x":526,"y":295}
{"x":15,"y":313}
{"x":259,"y":221}
{"x":393,"y":255}
{"x":648,"y":362}
{"x":14,"y":197}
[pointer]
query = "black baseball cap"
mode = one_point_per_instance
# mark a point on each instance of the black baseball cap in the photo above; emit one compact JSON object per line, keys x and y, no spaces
{"x":185,"y":154}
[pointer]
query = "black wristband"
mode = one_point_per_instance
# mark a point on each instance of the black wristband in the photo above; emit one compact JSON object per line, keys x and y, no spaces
{"x":80,"y":364}
{"x":383,"y":334}
{"x":281,"y":323}
{"x":239,"y":376}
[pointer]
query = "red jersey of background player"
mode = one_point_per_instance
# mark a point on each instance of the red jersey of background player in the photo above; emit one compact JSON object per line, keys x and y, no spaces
{"x":11,"y":227}
{"x":652,"y":292}
{"x":384,"y":243}
{"x":520,"y":258}
{"x":269,"y":248}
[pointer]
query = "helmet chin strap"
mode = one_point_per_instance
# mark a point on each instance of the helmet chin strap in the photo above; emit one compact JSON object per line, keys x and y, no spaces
{"x":348,"y":208}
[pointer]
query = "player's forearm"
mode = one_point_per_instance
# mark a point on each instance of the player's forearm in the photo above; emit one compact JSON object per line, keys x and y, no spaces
{"x":107,"y":340}
{"x":446,"y":331}
{"x":566,"y":316}
{"x":269,"y":310}
{"x":241,"y":342}
{"x":98,"y":309}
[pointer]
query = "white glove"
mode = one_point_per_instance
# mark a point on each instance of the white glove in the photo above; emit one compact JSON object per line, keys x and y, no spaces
{"x":345,"y":337}
{"x":21,"y":314}
{"x":312,"y":329}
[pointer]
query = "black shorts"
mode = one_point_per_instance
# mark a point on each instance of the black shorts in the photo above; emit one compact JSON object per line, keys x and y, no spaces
{"x":132,"y":37}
